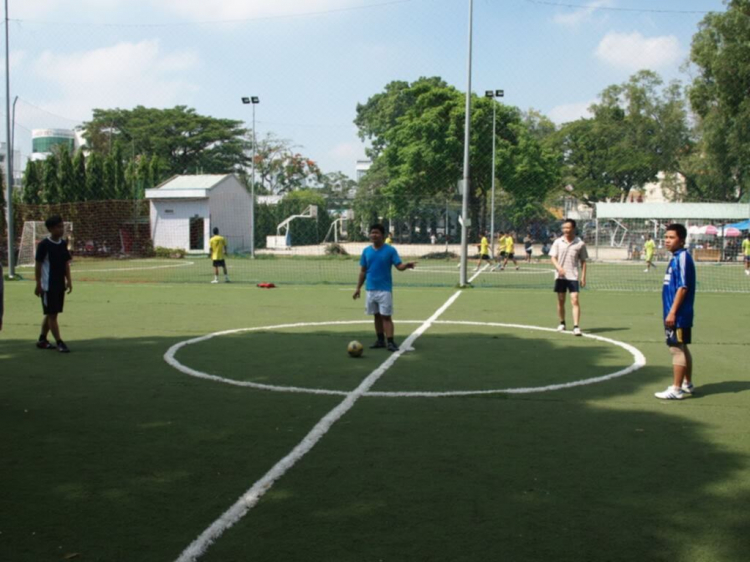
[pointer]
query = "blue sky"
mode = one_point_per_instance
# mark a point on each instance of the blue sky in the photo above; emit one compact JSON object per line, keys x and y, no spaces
{"x":312,"y":61}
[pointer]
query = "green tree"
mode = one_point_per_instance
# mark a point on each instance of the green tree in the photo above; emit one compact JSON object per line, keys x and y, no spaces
{"x":79,"y":176}
{"x":2,"y":203}
{"x":719,"y":96}
{"x":50,"y":180}
{"x":279,"y":168}
{"x":95,"y":182}
{"x":66,"y":179}
{"x":121,"y":188}
{"x":184,"y":141}
{"x":32,"y":183}
{"x":156,"y":170}
{"x":108,"y":175}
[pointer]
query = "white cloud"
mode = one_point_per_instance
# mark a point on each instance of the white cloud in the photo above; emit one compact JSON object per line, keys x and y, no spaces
{"x":41,"y":9}
{"x":201,"y":10}
{"x":569,"y":112}
{"x":348,"y":150}
{"x":633,"y":51}
{"x":581,"y":15}
{"x":123,"y":75}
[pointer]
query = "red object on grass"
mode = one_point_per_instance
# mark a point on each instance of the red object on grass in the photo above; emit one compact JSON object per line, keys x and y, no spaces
{"x":266,"y":285}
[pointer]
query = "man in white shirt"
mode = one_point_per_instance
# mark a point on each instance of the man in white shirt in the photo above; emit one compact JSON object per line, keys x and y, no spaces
{"x":567,"y":253}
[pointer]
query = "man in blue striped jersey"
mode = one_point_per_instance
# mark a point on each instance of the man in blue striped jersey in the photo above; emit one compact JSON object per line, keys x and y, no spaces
{"x":678,"y":298}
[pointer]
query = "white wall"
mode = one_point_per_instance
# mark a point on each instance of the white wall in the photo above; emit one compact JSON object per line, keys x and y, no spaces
{"x":170,"y":222}
{"x":230,"y":206}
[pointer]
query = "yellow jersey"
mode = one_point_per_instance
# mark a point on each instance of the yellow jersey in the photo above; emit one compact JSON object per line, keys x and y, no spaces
{"x":510,"y":245}
{"x":389,"y":241}
{"x":650,"y":247}
{"x":746,"y":246}
{"x":218,"y":245}
{"x":484,"y":247}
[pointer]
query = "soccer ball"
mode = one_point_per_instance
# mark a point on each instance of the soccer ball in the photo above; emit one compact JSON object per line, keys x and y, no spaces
{"x":354,"y":349}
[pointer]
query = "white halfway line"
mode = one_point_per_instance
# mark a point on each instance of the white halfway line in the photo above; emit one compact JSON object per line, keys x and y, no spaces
{"x":250,"y":499}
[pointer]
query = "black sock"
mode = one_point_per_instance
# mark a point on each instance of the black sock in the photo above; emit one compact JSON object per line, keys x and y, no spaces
{"x":562,"y":322}
{"x":381,"y":336}
{"x":390,"y":340}
{"x":575,"y":325}
{"x":42,"y":337}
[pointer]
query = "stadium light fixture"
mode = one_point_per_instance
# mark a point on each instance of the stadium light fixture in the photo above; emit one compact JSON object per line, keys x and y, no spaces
{"x":254,"y":100}
{"x":492,"y":94}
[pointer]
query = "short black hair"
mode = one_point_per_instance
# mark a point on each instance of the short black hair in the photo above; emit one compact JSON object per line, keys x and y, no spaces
{"x":52,"y":221}
{"x":571,"y":221}
{"x":379,"y":227}
{"x":679,"y":229}
{"x":216,"y":230}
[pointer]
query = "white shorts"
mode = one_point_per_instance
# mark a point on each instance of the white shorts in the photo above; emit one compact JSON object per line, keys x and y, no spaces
{"x":379,"y":302}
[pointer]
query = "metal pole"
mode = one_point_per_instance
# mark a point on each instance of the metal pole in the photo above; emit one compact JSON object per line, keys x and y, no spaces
{"x":467,"y":136}
{"x":596,"y":242}
{"x":9,"y":154}
{"x":492,"y":212}
{"x":252,"y":197}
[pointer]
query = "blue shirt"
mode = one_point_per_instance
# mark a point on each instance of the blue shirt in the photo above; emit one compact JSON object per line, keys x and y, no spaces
{"x":680,"y":273}
{"x":378,"y":265}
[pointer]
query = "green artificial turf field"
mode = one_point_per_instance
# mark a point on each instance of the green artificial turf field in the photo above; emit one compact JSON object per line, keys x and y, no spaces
{"x":111,"y":454}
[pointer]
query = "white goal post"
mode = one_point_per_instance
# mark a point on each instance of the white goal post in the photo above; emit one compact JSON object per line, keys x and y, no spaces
{"x":34,"y":232}
{"x":280,"y":241}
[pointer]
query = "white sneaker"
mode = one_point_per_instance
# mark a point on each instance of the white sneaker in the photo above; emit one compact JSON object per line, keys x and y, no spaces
{"x":577,"y":331}
{"x":688,"y":388}
{"x":645,"y":270}
{"x":214,"y":281}
{"x":671,"y":393}
{"x":747,"y":272}
{"x":561,"y":328}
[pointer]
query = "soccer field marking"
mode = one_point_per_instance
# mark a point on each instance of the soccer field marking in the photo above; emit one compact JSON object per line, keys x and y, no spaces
{"x":639,"y":361}
{"x":453,"y":271}
{"x":251,"y":497}
{"x":119,"y":269}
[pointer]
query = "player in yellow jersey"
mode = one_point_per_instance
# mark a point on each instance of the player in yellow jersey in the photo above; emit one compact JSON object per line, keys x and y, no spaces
{"x":510,"y":250}
{"x":484,"y":250}
{"x":746,"y":252}
{"x":649,"y":248}
{"x":218,"y":245}
{"x":389,"y":239}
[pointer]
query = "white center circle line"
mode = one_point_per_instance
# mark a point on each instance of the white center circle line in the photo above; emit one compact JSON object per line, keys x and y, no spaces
{"x":639,"y":361}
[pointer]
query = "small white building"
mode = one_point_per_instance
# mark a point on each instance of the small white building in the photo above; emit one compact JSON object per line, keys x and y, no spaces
{"x":185,"y":209}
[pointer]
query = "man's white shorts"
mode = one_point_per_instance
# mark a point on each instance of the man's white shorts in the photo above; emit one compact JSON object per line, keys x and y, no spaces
{"x":379,"y":302}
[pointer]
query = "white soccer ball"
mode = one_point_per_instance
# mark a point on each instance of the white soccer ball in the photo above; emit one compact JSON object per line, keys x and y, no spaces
{"x":355,"y":349}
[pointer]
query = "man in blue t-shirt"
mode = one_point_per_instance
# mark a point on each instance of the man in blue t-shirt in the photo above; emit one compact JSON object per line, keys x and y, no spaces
{"x":678,"y":298}
{"x":375,"y":267}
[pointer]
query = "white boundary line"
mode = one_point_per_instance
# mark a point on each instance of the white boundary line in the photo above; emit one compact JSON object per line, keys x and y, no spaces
{"x":119,"y":269}
{"x":250,"y":498}
{"x":639,"y":361}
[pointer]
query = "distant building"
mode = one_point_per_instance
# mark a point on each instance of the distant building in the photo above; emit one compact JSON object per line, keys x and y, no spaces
{"x":44,"y":140}
{"x":361,"y":168}
{"x":185,"y":209}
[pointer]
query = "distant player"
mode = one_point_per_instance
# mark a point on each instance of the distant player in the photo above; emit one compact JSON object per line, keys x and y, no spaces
{"x":375,"y":267}
{"x":218,"y":245}
{"x":500,"y":250}
{"x":567,"y":253}
{"x":52,"y":272}
{"x":484,"y":250}
{"x":528,"y":246}
{"x":678,"y":298}
{"x":510,"y":250}
{"x":389,"y":239}
{"x":649,"y":248}
{"x":746,"y":252}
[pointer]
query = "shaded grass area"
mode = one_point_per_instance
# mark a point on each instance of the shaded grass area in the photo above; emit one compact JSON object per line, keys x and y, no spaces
{"x":114,"y":455}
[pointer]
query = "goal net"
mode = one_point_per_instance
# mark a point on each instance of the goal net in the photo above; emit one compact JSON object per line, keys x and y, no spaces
{"x":34,"y":232}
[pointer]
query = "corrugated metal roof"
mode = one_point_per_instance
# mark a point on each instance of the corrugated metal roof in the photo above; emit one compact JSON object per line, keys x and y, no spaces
{"x":200,"y":181}
{"x":720,"y":211}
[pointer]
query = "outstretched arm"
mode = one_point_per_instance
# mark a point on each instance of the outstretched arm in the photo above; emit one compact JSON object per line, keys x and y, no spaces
{"x":404,"y":266}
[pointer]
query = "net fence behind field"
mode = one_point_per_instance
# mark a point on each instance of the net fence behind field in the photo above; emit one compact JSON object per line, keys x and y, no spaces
{"x":119,"y":241}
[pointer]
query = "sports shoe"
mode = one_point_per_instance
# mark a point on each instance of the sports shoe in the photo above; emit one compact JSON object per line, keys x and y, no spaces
{"x":577,"y":331}
{"x":561,"y":327}
{"x":671,"y":393}
{"x":62,"y":348}
{"x":747,"y":272}
{"x":392,"y":346}
{"x":214,"y":281}
{"x":688,"y":387}
{"x":227,"y":280}
{"x":518,"y":268}
{"x":645,"y":270}
{"x":44,"y":344}
{"x":377,"y":345}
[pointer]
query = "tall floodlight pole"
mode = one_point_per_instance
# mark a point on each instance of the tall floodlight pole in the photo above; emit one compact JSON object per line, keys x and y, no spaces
{"x":9,"y":155}
{"x":254,"y":100}
{"x":467,"y":136}
{"x":492,"y":94}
